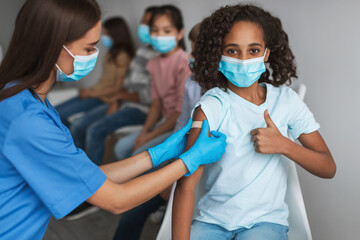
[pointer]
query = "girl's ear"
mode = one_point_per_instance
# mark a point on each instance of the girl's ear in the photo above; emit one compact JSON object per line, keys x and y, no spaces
{"x":267,"y":55}
{"x":180,"y":35}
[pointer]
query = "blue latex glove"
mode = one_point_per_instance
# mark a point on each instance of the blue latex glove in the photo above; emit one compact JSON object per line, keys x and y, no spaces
{"x":172,"y":147}
{"x":205,"y":150}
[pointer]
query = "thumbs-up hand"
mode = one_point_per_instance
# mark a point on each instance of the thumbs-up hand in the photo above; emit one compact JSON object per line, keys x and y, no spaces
{"x":267,"y":140}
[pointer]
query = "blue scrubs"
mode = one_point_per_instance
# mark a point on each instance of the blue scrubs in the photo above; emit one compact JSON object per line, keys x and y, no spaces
{"x":42,"y":173}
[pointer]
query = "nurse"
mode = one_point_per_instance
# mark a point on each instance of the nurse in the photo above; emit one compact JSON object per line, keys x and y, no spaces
{"x":42,"y":173}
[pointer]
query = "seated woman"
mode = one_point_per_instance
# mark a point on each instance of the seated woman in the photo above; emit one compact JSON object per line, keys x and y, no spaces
{"x":93,"y":101}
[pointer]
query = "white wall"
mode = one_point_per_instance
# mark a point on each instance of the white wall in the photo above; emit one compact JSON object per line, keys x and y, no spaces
{"x":325,"y":37}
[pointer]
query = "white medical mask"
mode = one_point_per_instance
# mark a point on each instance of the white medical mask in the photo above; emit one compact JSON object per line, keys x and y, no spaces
{"x":83,"y":65}
{"x":242,"y":73}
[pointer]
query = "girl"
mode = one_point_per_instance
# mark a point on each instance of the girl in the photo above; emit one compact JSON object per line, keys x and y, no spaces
{"x":42,"y":173}
{"x":134,"y":100}
{"x":246,"y":188}
{"x":95,"y":101}
{"x":168,"y":73}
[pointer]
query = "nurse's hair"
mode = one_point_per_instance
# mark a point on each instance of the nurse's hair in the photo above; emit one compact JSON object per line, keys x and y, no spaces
{"x":213,"y":29}
{"x":42,"y":27}
{"x":175,"y":16}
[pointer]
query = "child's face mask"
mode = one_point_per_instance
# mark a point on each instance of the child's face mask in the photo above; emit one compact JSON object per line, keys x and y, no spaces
{"x":107,"y":41}
{"x":83,"y":65}
{"x":144,"y":33}
{"x":242,"y":73}
{"x":163,"y":44}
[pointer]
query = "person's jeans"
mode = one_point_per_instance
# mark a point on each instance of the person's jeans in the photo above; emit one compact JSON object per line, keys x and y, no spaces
{"x":97,"y":132}
{"x":260,"y":231}
{"x":123,"y":148}
{"x":132,"y":221}
{"x":76,"y":105}
{"x":79,"y":126}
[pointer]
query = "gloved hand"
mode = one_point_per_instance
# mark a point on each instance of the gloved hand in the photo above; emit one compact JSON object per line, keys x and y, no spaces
{"x":205,"y":150}
{"x":172,"y":147}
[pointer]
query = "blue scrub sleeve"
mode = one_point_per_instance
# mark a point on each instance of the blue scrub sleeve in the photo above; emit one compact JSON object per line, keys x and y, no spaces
{"x":44,"y":154}
{"x":302,"y":120}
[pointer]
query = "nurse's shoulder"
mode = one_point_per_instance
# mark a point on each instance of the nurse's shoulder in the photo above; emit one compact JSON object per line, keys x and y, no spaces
{"x":24,"y":109}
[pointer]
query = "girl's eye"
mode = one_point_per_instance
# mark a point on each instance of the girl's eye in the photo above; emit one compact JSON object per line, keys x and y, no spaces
{"x":254,"y":51}
{"x":232,"y":51}
{"x":167,"y":31}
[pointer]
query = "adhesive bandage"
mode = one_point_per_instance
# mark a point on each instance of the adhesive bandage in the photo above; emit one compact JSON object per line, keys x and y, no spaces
{"x":197,"y":124}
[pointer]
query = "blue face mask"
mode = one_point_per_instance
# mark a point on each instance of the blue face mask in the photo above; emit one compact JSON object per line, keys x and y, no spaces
{"x":107,"y":41}
{"x":191,"y":62}
{"x":83,"y":65}
{"x":144,"y":33}
{"x":242,"y":73}
{"x":163,"y":44}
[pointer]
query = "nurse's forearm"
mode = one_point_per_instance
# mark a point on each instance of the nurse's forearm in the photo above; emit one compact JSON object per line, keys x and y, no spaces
{"x":118,"y":198}
{"x":129,"y":168}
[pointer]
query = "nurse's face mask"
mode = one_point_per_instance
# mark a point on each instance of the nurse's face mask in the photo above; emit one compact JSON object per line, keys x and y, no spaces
{"x":83,"y":65}
{"x":242,"y":73}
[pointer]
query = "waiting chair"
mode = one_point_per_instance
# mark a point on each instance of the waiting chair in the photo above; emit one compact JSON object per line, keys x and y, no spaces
{"x":299,"y":228}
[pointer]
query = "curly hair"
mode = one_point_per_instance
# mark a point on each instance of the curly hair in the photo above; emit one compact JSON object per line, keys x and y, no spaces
{"x":213,"y":29}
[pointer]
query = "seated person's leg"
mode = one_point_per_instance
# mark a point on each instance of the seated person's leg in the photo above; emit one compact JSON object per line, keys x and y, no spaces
{"x":152,"y":143}
{"x":79,"y":127}
{"x":264,"y":231}
{"x":123,"y":148}
{"x":132,"y":221}
{"x":97,"y":132}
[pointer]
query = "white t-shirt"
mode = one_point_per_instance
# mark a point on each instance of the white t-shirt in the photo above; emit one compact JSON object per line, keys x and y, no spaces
{"x":245,"y":187}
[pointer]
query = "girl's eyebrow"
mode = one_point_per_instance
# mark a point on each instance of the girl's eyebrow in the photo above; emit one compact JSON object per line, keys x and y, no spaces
{"x":255,"y":44}
{"x":231,"y":45}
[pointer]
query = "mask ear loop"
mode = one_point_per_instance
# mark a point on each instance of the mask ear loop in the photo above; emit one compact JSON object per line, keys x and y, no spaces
{"x":69,"y":52}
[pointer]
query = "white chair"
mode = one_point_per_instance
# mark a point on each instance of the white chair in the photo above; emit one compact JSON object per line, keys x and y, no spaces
{"x":298,"y":221}
{"x":59,"y":96}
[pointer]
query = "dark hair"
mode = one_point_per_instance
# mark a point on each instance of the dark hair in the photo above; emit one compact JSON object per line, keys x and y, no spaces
{"x":213,"y":29}
{"x":175,"y":16}
{"x":119,"y":32}
{"x":42,"y":27}
{"x":151,"y":9}
{"x":194,"y":32}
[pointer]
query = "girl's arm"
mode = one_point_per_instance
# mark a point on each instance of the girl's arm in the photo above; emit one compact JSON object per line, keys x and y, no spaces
{"x":182,"y":212}
{"x":152,"y":117}
{"x":314,"y":155}
{"x":166,"y":126}
{"x":126,"y":96}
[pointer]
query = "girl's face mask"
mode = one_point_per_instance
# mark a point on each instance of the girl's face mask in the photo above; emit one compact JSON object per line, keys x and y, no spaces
{"x":242,"y":73}
{"x":83,"y":65}
{"x":163,"y":44}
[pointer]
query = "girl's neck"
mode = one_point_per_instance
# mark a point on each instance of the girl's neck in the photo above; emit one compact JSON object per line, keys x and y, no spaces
{"x":45,"y":87}
{"x":255,"y":94}
{"x":171,"y":52}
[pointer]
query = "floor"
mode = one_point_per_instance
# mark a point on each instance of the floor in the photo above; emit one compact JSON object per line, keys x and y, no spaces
{"x":97,"y":226}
